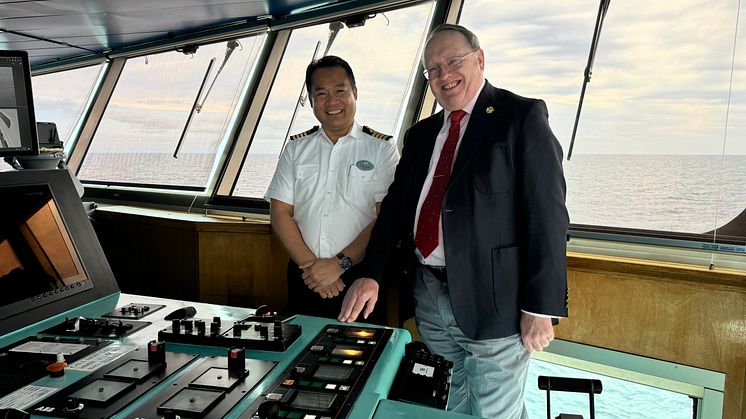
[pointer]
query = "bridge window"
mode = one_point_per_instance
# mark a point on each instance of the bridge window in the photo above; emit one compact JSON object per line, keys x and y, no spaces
{"x":62,"y":98}
{"x":659,"y":145}
{"x":168,"y":116}
{"x":383,"y":54}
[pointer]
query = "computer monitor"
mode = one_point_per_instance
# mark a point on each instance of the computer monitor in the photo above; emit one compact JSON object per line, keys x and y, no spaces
{"x":50,"y":258}
{"x":17,"y":122}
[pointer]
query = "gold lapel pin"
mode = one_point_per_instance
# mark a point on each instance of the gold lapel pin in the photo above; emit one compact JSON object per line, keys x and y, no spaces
{"x":490,"y":109}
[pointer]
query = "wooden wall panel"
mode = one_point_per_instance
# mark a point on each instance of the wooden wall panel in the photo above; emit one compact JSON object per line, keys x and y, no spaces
{"x":149,"y":258}
{"x":194,"y":257}
{"x":686,"y":315}
{"x":242,"y":269}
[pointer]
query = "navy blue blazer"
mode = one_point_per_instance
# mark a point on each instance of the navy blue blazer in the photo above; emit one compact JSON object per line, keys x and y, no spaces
{"x":504,"y":216}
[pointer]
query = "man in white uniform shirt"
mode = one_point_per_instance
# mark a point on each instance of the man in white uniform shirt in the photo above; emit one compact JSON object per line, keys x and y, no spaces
{"x":326,"y":191}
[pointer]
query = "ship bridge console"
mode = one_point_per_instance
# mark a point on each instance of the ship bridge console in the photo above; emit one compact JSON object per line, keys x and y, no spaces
{"x":73,"y":346}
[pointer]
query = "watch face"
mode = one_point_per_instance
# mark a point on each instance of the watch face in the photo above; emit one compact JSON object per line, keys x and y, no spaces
{"x":345,"y":262}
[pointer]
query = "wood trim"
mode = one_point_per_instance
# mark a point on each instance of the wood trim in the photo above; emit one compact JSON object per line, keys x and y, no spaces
{"x":656,"y":270}
{"x":185,"y":221}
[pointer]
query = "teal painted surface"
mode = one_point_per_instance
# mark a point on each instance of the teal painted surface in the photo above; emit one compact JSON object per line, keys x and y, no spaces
{"x":390,"y":409}
{"x":711,"y":405}
{"x":711,"y":382}
{"x":669,"y":370}
{"x":92,"y":309}
{"x":382,"y":378}
{"x":365,"y":406}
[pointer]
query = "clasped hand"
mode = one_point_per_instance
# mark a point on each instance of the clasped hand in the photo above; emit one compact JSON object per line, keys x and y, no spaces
{"x":323,"y":276}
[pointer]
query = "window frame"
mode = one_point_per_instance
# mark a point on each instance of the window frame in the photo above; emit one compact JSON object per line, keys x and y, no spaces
{"x":222,"y":198}
{"x":216,"y":196}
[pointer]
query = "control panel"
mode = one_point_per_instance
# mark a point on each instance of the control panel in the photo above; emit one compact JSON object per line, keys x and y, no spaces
{"x":96,"y":327}
{"x":134,"y":311}
{"x":326,"y":378}
{"x":209,"y":389}
{"x":108,"y":390}
{"x":35,"y":357}
{"x":198,"y":361}
{"x":254,"y":332}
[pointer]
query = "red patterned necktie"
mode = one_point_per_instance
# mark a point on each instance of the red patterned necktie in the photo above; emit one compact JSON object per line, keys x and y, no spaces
{"x":428,"y":223}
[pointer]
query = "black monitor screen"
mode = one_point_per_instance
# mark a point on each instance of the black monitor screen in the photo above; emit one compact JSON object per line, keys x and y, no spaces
{"x":37,"y":256}
{"x":50,"y":259}
{"x":17,"y":122}
{"x":333,"y":372}
{"x":313,"y":401}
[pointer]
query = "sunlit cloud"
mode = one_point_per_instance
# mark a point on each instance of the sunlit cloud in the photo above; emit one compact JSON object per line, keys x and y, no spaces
{"x":660,"y":81}
{"x":659,"y":69}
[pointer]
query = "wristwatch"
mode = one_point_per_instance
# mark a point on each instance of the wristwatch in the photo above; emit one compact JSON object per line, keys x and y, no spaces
{"x":344,"y":262}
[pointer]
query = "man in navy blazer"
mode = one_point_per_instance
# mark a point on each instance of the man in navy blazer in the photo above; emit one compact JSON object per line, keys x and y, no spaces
{"x":487,"y":246}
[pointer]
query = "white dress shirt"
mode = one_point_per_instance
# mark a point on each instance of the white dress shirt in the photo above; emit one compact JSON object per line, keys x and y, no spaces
{"x":334,"y":188}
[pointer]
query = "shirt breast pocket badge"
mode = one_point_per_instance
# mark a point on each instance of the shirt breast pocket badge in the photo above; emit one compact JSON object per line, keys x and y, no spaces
{"x":362,"y":171}
{"x":364,"y":165}
{"x":360,"y":183}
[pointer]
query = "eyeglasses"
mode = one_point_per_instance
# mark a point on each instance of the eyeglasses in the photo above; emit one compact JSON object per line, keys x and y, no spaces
{"x":451,"y":64}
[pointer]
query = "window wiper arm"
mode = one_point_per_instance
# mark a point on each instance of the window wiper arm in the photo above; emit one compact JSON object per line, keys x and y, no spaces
{"x":230,"y":46}
{"x":603,"y":7}
{"x":334,"y":28}
{"x":193,"y":108}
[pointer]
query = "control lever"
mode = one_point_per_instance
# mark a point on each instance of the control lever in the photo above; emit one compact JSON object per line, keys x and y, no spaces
{"x":264,"y":311}
{"x":181,"y":313}
{"x":268,"y":409}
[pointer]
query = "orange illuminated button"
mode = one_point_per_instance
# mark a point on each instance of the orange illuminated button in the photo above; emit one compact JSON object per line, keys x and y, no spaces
{"x":347,"y":351}
{"x":361,"y":333}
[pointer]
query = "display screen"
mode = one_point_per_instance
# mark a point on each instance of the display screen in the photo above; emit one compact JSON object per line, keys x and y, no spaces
{"x":332,"y":373}
{"x":50,"y":259}
{"x":37,"y":255}
{"x":348,"y":351}
{"x":17,"y":122}
{"x":313,"y":401}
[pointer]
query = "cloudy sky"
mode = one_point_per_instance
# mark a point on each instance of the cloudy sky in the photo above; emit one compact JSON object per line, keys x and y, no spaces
{"x":660,"y":81}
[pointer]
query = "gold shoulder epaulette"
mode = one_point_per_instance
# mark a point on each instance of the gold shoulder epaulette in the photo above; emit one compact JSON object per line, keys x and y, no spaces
{"x":375,"y":134}
{"x":304,"y":134}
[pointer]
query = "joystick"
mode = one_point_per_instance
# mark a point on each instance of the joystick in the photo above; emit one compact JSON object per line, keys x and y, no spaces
{"x":200,"y":326}
{"x":73,"y":405}
{"x":268,"y":409}
{"x":181,"y":313}
{"x":236,"y":361}
{"x":156,"y":352}
{"x":264,"y":311}
{"x":215,"y":327}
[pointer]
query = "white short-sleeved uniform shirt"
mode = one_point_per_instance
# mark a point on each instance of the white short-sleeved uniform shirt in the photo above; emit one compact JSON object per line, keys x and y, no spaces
{"x":334,"y":188}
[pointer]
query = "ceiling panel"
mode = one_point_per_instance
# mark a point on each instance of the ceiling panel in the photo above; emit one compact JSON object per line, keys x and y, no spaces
{"x":53,"y":30}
